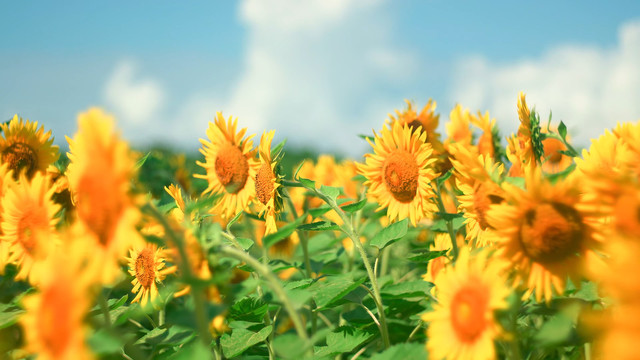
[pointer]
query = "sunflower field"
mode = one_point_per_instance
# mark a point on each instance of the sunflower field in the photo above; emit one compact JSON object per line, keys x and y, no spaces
{"x":453,"y":245}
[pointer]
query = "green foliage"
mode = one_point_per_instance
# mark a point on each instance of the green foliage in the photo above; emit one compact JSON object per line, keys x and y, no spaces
{"x":390,"y":234}
{"x":241,"y":339}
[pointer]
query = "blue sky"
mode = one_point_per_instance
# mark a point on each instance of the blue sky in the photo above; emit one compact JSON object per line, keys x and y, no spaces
{"x":320,"y":71}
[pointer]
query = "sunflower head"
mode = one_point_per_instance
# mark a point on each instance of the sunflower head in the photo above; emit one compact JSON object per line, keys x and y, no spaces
{"x":230,"y":166}
{"x":427,"y":120}
{"x":26,"y":148}
{"x":463,"y":321}
{"x":28,"y":224}
{"x":545,"y":231}
{"x":399,"y":173}
{"x":147,"y":266}
{"x":459,"y":127}
{"x":267,"y":182}
{"x":100,"y":171}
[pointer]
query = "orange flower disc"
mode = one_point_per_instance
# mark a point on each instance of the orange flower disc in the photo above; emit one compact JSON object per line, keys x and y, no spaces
{"x":401,"y":175}
{"x":232,"y":168}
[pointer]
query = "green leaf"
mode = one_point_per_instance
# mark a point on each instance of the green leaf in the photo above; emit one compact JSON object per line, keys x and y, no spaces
{"x":9,"y":315}
{"x":319,"y":226}
{"x":390,"y":234}
{"x":330,"y":289}
{"x":353,"y":207}
{"x":141,"y":161}
{"x":309,"y":184}
{"x":424,"y":257}
{"x":449,"y":216}
{"x":406,"y":289}
{"x":319,"y":211}
{"x":153,"y":337}
{"x":240,"y":340}
{"x":276,"y":150}
{"x":104,"y":342}
{"x":249,"y":309}
{"x":366,"y":137}
{"x":344,"y":339}
{"x":411,"y":351}
{"x":588,"y":292}
{"x":295,"y":173}
{"x":562,"y":130}
{"x":560,"y":328}
{"x":440,"y":225}
{"x":282,"y":232}
{"x":194,"y":350}
{"x":233,"y":220}
{"x":444,"y":177}
{"x":246,"y":243}
{"x":288,"y":346}
{"x":330,"y":191}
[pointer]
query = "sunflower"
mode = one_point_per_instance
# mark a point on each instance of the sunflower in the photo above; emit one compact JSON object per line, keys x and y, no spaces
{"x":28,"y":223}
{"x":427,"y":119}
{"x":546,"y":232}
{"x":26,"y":148}
{"x":554,"y":160}
{"x":621,"y":327}
{"x":463,"y":324}
{"x":525,"y":148}
{"x":268,"y":188}
{"x":441,"y":242}
{"x":230,"y":165}
{"x":399,"y":173}
{"x":478,"y":177}
{"x":147,"y":266}
{"x":53,"y":321}
{"x":489,"y":140}
{"x":6,"y":178}
{"x":100,"y":171}
{"x":459,"y":127}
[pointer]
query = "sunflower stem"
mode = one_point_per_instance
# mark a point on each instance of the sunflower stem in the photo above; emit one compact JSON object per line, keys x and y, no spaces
{"x":273,"y":282}
{"x":450,"y":230}
{"x":348,"y":228}
{"x":105,"y":310}
{"x":200,"y":313}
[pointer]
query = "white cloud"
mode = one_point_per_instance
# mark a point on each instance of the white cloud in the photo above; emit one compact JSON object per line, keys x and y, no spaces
{"x":315,"y":71}
{"x":133,"y":100}
{"x":587,"y":87}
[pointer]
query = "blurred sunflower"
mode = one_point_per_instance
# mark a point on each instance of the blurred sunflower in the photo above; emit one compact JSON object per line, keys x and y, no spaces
{"x":399,"y":173}
{"x":230,"y":165}
{"x":28,"y":224}
{"x":462,"y":324}
{"x":267,"y":181}
{"x":554,"y":160}
{"x":478,"y":177}
{"x":441,"y":241}
{"x":427,"y":119}
{"x":26,"y":148}
{"x":53,"y":321}
{"x":147,"y":266}
{"x":6,"y":178}
{"x":459,"y":128}
{"x":105,"y":211}
{"x":524,"y":150}
{"x":545,"y":232}
{"x":489,"y":140}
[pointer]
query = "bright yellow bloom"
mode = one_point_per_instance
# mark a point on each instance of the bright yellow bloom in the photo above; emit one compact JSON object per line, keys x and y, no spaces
{"x":100,"y":174}
{"x":555,"y":161}
{"x":147,"y":266}
{"x":462,"y":324}
{"x":545,"y":232}
{"x":427,"y":119}
{"x":441,"y":241}
{"x":399,"y":173}
{"x":53,"y":322}
{"x":230,"y":165}
{"x":478,"y":177}
{"x":521,"y":149}
{"x":26,"y":148}
{"x":269,"y":199}
{"x":459,"y":127}
{"x":28,"y":224}
{"x":487,"y":141}
{"x":5,"y":179}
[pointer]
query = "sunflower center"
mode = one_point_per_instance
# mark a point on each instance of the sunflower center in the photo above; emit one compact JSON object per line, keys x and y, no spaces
{"x":231,"y":168}
{"x":401,"y":175}
{"x":415,"y":124}
{"x":551,"y":232}
{"x":20,"y":156}
{"x":484,"y":196}
{"x":145,"y":268}
{"x":264,"y":184}
{"x":552,"y":148}
{"x":468,"y":309}
{"x":55,"y":319}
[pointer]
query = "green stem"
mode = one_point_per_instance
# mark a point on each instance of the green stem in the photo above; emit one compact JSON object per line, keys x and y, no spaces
{"x":196,"y":291}
{"x":348,"y":228}
{"x":273,"y":282}
{"x":452,"y":234}
{"x":161,"y":315}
